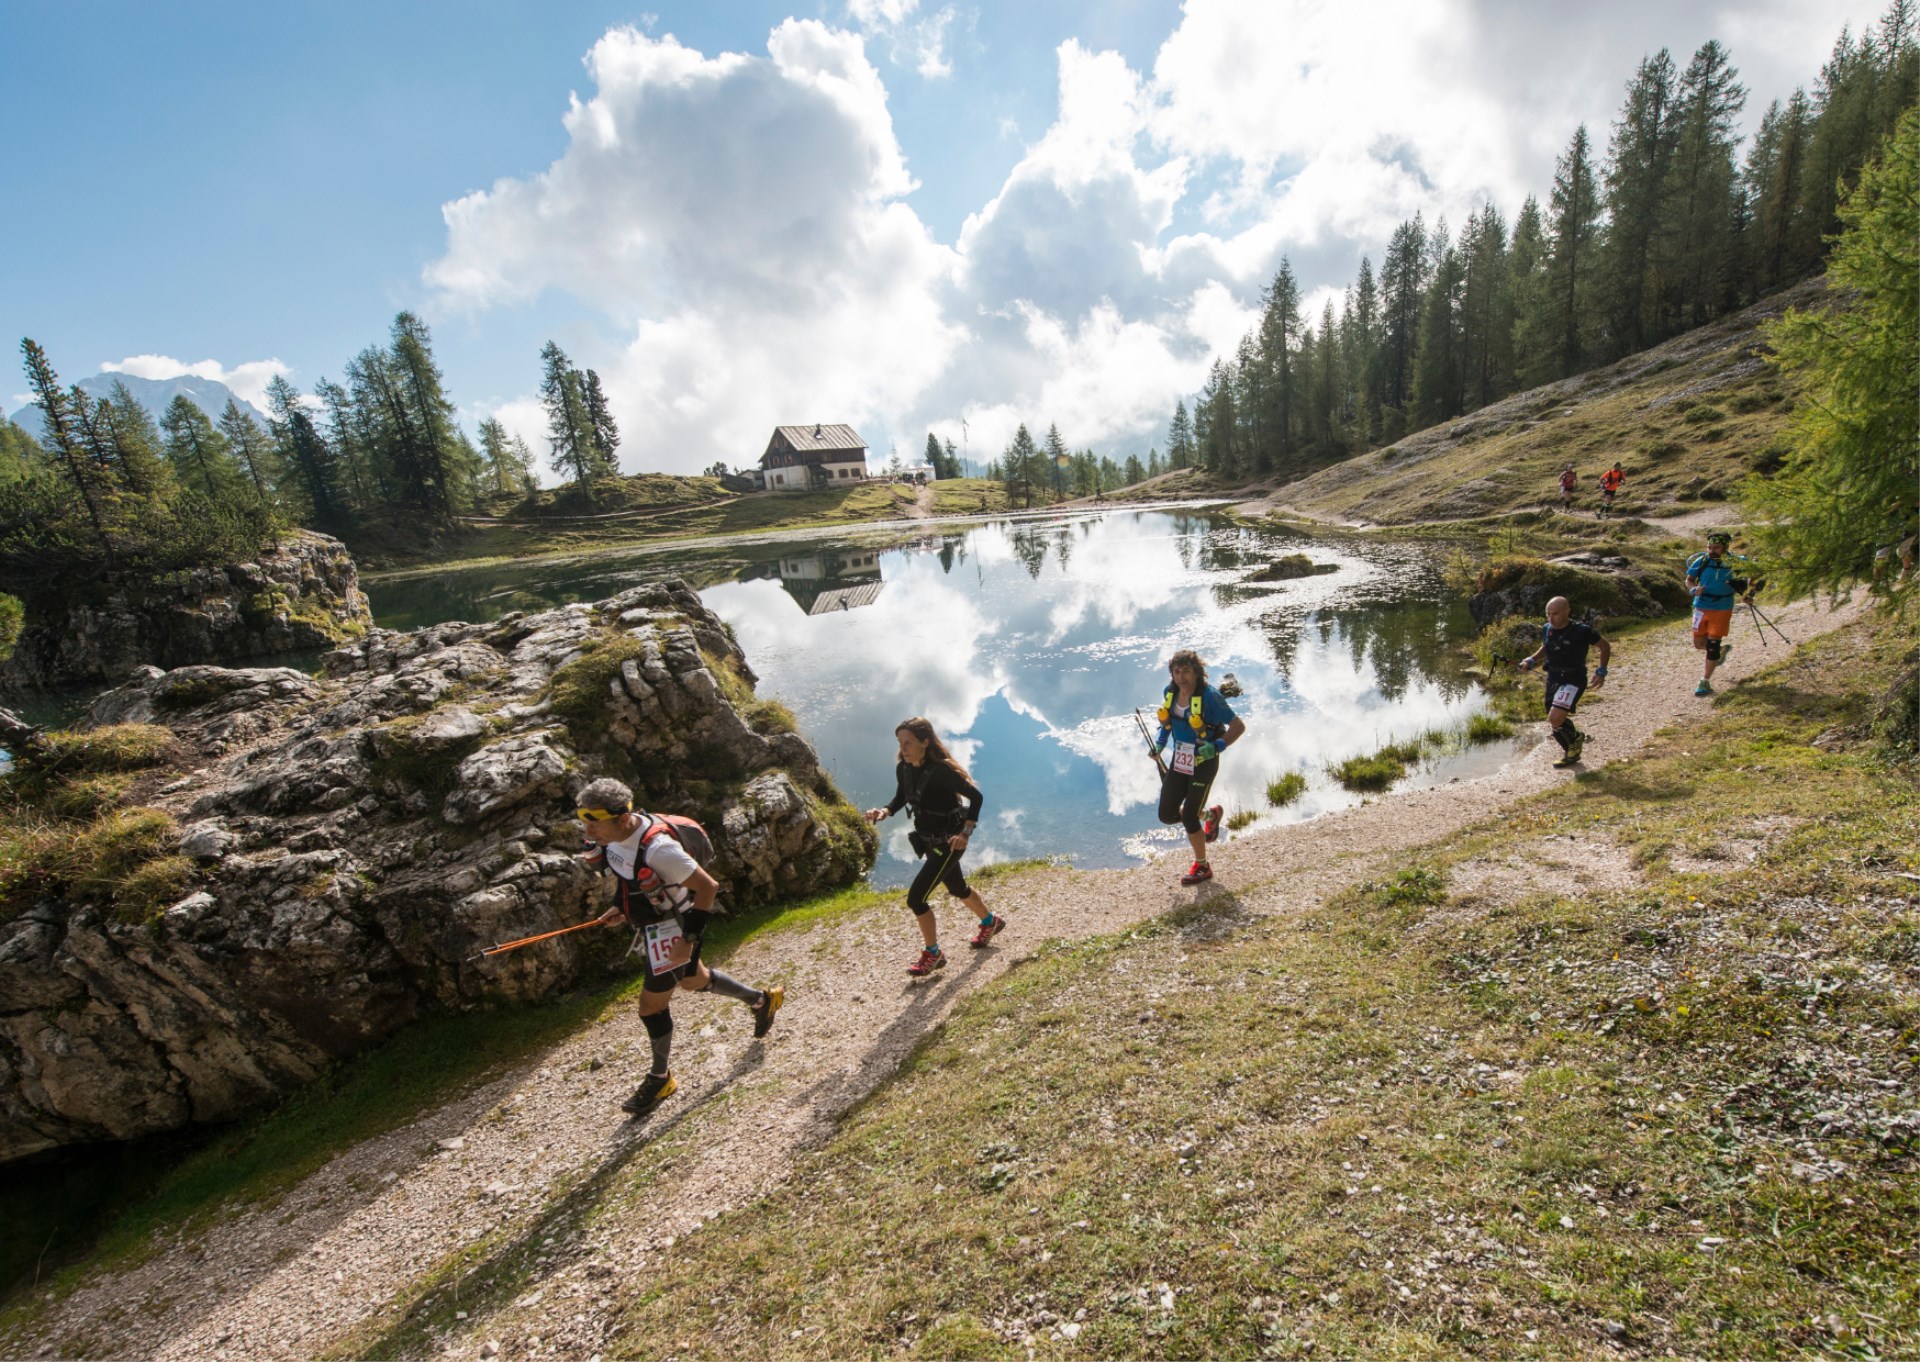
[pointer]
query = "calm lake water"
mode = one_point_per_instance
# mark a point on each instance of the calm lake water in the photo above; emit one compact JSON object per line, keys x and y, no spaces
{"x":1028,"y":643}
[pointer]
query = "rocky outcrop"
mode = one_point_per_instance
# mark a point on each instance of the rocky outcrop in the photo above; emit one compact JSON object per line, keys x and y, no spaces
{"x":360,"y":836}
{"x":302,"y":595}
{"x":1598,"y":585}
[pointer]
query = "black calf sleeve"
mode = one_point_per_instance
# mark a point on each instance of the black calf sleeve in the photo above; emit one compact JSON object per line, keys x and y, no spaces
{"x":729,"y":987}
{"x":660,"y":1033}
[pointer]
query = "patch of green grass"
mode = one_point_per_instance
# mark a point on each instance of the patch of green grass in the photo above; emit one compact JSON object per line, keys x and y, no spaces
{"x":1283,"y":790}
{"x":1487,"y":727}
{"x":1369,"y":774}
{"x":1402,"y":1132}
{"x":1241,"y":818}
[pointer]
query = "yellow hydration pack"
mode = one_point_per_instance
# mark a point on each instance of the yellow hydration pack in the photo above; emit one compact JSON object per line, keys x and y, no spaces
{"x":1165,"y":713}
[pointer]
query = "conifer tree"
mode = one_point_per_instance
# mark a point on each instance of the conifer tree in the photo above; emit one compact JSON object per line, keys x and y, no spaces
{"x":1439,"y":381}
{"x":1403,"y":287}
{"x":1021,"y":465}
{"x":571,"y":448}
{"x":1843,"y":508}
{"x":437,"y":454}
{"x":135,"y":440}
{"x":66,"y":440}
{"x":1279,"y":339}
{"x":506,"y":471}
{"x":1574,"y":224}
{"x":1636,"y":178}
{"x":1180,"y":441}
{"x":251,"y":448}
{"x":1362,"y":318}
{"x":313,"y":476}
{"x":197,"y":450}
{"x":937,"y":458}
{"x":1693,"y":239}
{"x":1486,"y":310}
{"x":1536,"y":349}
{"x":606,"y":434}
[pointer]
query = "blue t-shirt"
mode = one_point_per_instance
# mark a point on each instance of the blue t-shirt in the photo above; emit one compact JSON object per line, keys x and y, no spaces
{"x":1215,"y":713}
{"x":1715,"y":576}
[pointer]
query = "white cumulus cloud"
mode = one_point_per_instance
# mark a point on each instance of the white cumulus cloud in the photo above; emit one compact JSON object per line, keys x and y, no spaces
{"x":737,"y":220}
{"x":248,"y":381}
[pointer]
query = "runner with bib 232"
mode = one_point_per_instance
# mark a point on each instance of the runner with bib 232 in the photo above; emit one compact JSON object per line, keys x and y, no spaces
{"x":1196,"y":726}
{"x":662,"y":890}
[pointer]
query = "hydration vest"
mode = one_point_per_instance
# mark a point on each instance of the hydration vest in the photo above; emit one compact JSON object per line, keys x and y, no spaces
{"x":646,"y":881}
{"x":1194,"y":720}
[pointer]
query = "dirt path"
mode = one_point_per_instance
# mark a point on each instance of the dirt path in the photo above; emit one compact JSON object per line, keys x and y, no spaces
{"x":1682,"y":523}
{"x":537,"y":1158}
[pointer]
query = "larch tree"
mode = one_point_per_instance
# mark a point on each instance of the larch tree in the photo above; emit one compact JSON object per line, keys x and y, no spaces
{"x":1843,"y":509}
{"x":197,"y":451}
{"x":251,"y":447}
{"x":1636,"y":178}
{"x":570,"y":436}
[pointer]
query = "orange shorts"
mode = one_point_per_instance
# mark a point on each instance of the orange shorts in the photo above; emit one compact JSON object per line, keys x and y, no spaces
{"x":1712,"y":623}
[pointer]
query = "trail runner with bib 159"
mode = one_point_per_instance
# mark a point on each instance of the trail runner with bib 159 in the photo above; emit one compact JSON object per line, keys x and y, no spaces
{"x":1196,"y":726}
{"x":665,"y":894}
{"x":1563,"y":647}
{"x":1610,"y":487}
{"x":935,"y":787}
{"x":1716,"y":579}
{"x":1568,"y":481}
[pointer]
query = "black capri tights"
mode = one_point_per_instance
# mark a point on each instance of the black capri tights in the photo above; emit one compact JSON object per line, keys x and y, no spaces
{"x":942,"y":865}
{"x":1184,"y":797}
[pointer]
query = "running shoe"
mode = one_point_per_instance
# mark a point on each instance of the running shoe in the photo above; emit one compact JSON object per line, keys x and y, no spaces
{"x":1704,"y":688}
{"x":1575,"y":748}
{"x":928,"y":962}
{"x":1564,"y":760}
{"x":992,"y":927}
{"x":770,"y":1000}
{"x":656,"y":1089}
{"x":1198,"y":873}
{"x":1726,"y":651}
{"x":1211,"y":826}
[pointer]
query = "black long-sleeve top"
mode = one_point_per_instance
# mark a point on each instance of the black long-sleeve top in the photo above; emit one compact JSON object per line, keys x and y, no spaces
{"x":935,"y":791}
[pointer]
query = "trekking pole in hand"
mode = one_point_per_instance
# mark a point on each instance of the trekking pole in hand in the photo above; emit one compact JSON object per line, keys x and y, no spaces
{"x":1769,"y":623}
{"x":1755,"y":616}
{"x":529,"y":940}
{"x":1147,"y":733}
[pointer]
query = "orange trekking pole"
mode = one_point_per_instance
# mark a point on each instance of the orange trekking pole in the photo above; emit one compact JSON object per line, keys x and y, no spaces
{"x":529,"y":940}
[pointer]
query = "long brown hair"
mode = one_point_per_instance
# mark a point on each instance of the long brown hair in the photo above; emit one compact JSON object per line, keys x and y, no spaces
{"x":923,"y":730}
{"x":1187,"y":657}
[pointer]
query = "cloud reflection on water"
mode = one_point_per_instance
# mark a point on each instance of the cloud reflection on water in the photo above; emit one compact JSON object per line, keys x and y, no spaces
{"x":1027,"y":644}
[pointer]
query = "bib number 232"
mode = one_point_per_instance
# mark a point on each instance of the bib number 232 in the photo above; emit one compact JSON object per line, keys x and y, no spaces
{"x":1183,"y":758}
{"x":663,"y":942}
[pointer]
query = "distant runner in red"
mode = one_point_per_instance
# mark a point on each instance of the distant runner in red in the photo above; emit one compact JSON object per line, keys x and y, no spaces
{"x":1609,"y":485}
{"x":1568,"y":481}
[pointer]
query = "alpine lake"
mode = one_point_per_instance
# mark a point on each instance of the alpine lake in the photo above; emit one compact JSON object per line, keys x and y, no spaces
{"x":1029,"y":642}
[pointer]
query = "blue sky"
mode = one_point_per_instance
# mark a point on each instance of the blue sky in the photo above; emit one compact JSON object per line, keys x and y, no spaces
{"x":894,"y":212}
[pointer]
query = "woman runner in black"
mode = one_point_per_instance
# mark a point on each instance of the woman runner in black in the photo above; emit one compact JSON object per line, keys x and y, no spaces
{"x":935,"y":786}
{"x":1199,"y":723}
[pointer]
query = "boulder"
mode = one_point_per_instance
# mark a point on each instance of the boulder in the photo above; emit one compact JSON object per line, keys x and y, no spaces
{"x":300,"y":595}
{"x":358,"y":837}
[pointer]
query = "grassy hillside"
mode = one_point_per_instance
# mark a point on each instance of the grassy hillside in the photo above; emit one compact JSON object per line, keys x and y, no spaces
{"x":1436,"y":1118}
{"x":1687,"y":419}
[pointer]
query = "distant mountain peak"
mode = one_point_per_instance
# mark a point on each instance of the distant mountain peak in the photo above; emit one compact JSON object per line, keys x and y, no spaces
{"x":155,"y":394}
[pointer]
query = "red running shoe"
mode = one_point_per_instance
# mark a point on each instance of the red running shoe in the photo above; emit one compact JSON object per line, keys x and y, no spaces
{"x":1211,"y":826}
{"x":928,"y":962}
{"x":992,"y":927}
{"x":1199,"y":873}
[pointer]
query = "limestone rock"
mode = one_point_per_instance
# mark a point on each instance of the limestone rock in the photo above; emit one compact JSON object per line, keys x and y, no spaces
{"x":360,"y":836}
{"x":302,"y":594}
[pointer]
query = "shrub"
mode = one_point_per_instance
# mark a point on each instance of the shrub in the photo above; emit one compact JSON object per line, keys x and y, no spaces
{"x":1364,"y":774}
{"x":1284,"y":790}
{"x":1485,"y":727}
{"x":1240,"y":818}
{"x":116,"y":747}
{"x":151,"y":887}
{"x":1701,"y":414}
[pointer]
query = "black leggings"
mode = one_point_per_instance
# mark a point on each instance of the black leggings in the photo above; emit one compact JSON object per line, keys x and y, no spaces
{"x":941,"y":866}
{"x":1183,"y":797}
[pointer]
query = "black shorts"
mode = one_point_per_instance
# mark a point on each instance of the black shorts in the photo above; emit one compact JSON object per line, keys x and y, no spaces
{"x":1564,"y":692}
{"x":664,"y":981}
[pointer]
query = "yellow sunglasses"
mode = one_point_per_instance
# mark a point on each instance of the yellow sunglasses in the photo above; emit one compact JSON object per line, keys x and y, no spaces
{"x":600,"y":815}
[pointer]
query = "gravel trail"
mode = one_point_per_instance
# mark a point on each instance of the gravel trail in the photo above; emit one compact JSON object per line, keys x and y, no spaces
{"x":540,"y":1156}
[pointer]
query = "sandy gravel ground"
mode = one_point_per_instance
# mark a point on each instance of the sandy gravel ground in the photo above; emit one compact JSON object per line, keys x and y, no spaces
{"x":530,"y":1155}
